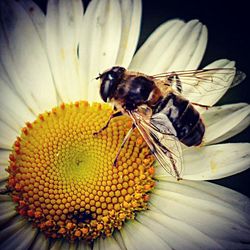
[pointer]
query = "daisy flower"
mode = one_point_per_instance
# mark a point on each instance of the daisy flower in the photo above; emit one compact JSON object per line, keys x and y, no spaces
{"x":60,"y":190}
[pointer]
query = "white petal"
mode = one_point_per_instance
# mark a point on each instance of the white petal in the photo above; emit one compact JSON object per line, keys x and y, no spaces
{"x":14,"y":111}
{"x":198,"y":52}
{"x":97,"y":245}
{"x":8,"y":215}
{"x":111,"y":243}
{"x":131,"y":19}
{"x":4,"y":162}
{"x":62,"y":244}
{"x":37,"y":17}
{"x":177,"y":234}
{"x":4,"y":197}
{"x":3,"y":184}
{"x":118,"y":237}
{"x":100,"y":42}
{"x":40,"y":242}
{"x":7,"y":136}
{"x":208,"y":191}
{"x":56,"y":244}
{"x":63,"y":24}
{"x":72,"y":246}
{"x":13,"y":226}
{"x":108,"y":243}
{"x":173,"y":46}
{"x":20,"y":238}
{"x":82,"y":245}
{"x":211,"y":98}
{"x":216,"y":161}
{"x":24,"y":59}
{"x":217,"y":212}
{"x":7,"y":210}
{"x":137,"y":236}
{"x":225,"y":121}
{"x":67,"y":245}
{"x":234,"y":245}
{"x":154,"y":46}
{"x":192,"y":49}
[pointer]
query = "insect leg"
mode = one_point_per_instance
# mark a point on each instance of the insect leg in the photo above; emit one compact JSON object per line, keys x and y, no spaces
{"x":116,"y":114}
{"x":174,"y":166}
{"x":123,"y":143}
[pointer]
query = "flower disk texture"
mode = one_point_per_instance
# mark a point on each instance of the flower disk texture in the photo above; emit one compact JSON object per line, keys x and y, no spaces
{"x":63,"y":179}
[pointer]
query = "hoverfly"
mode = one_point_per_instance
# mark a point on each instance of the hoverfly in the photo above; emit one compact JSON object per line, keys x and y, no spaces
{"x":158,"y":109}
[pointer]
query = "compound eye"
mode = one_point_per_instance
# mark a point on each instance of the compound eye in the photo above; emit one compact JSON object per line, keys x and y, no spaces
{"x":105,"y":89}
{"x":109,"y":81}
{"x":111,"y":76}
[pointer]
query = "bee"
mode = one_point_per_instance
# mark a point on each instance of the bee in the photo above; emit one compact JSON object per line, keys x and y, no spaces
{"x":159,"y":110}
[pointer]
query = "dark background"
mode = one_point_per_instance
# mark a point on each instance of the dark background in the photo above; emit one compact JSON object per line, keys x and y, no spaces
{"x":228,"y":37}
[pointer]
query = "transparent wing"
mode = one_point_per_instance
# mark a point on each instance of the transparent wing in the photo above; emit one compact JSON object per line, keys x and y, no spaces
{"x":202,"y":82}
{"x":165,"y":146}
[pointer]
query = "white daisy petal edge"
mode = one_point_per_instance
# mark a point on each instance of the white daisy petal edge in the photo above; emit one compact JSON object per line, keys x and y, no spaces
{"x":24,"y":65}
{"x":14,"y":224}
{"x":222,"y":160}
{"x":154,"y":46}
{"x":7,"y":211}
{"x":175,"y":45}
{"x":138,"y":236}
{"x":63,"y":24}
{"x":7,"y":136}
{"x":131,"y":20}
{"x":40,"y":242}
{"x":63,"y":245}
{"x":83,"y":246}
{"x":19,"y":235}
{"x":112,"y":244}
{"x":13,"y":114}
{"x":213,"y":162}
{"x":224,"y":212}
{"x":4,"y":163}
{"x":118,"y":237}
{"x":56,"y":244}
{"x":223,"y":122}
{"x":108,"y":243}
{"x":191,"y":238}
{"x":37,"y":17}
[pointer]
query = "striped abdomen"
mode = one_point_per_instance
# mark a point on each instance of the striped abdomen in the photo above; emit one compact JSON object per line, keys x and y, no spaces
{"x":185,"y":119}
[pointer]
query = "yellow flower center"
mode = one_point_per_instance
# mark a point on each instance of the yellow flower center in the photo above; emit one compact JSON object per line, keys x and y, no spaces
{"x":63,"y":179}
